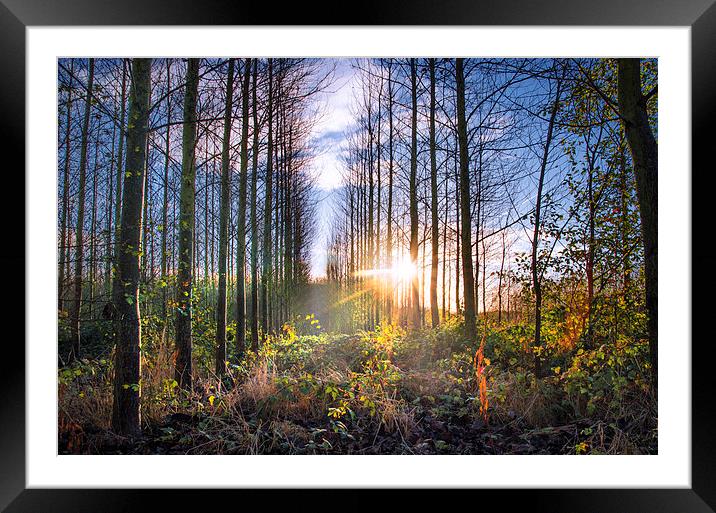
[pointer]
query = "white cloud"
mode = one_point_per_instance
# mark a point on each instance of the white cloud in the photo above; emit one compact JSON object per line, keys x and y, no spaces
{"x":326,"y":166}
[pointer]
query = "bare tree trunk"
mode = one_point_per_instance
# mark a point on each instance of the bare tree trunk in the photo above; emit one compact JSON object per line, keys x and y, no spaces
{"x":644,"y":151}
{"x":120,"y":179}
{"x":254,"y":316}
{"x":183,"y":369}
{"x":108,"y":213}
{"x":276,"y":310}
{"x":166,"y":201}
{"x":146,"y":215}
{"x":467,"y":274}
{"x":415,"y":317}
{"x":241,"y":221}
{"x":79,"y":233}
{"x":266,"y":246}
{"x":501,"y":277}
{"x":224,"y":226}
{"x":370,"y":253}
{"x":377,"y":258}
{"x":445,"y":268}
{"x":389,"y":234}
{"x":286,"y":218}
{"x":624,"y":218}
{"x":458,"y":205}
{"x":537,"y":273}
{"x":207,"y":291}
{"x":64,"y":223}
{"x":478,"y":214}
{"x":590,"y":249}
{"x":280,"y":219}
{"x":126,"y":415}
{"x":93,"y":229}
{"x":434,"y":311}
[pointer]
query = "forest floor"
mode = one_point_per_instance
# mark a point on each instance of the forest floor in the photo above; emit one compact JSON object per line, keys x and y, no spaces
{"x":380,"y":392}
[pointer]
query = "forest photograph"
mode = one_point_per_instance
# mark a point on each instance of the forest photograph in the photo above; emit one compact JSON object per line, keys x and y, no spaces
{"x":346,"y":256}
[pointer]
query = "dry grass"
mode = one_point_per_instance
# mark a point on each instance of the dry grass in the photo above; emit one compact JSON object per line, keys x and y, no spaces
{"x":85,"y":400}
{"x":280,"y":401}
{"x":259,"y":386}
{"x":424,"y":383}
{"x":535,"y":403}
{"x":396,"y":416}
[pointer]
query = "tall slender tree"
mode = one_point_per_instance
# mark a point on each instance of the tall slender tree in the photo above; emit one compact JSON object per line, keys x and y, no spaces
{"x":435,"y":232}
{"x":415,"y":288}
{"x":266,"y":243}
{"x":183,"y":323}
{"x":389,"y":221}
{"x":225,"y":200}
{"x":254,"y":315}
{"x":126,"y":415}
{"x":119,"y":178}
{"x":644,"y":151}
{"x":241,"y":221}
{"x":165,"y":210}
{"x":79,"y":232}
{"x":537,"y":271}
{"x":466,"y":243}
{"x":64,"y":243}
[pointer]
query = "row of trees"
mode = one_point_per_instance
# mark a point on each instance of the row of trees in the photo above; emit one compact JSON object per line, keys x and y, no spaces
{"x":150,"y":152}
{"x":456,"y":165}
{"x":501,"y":187}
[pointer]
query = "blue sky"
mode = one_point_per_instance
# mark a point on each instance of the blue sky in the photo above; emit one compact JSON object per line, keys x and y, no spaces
{"x":328,"y":135}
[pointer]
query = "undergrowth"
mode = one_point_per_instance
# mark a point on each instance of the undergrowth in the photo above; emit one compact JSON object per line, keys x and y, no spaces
{"x":381,"y":391}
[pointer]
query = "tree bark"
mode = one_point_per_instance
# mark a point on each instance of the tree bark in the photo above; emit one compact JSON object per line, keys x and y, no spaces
{"x":120,"y":179}
{"x":183,"y":370}
{"x":254,"y":316}
{"x":536,"y":273}
{"x":224,"y":225}
{"x":241,"y":220}
{"x":108,"y":213}
{"x":415,"y":317}
{"x":64,"y":223}
{"x":389,"y":234}
{"x":165,"y":211}
{"x":79,"y":234}
{"x":266,"y":246}
{"x":126,"y":415}
{"x":458,"y":205}
{"x":434,"y":311}
{"x":501,"y":277}
{"x":466,"y":243}
{"x":644,"y":151}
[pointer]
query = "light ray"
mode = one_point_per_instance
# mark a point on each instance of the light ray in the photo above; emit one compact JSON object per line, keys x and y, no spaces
{"x":401,"y":271}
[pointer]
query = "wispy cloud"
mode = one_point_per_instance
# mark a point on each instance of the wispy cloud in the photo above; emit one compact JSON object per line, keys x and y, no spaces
{"x":328,"y":135}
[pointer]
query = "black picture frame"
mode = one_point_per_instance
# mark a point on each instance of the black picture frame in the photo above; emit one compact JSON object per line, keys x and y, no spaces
{"x":17,"y":15}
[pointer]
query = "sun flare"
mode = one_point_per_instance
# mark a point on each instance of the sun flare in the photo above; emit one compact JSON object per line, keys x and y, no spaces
{"x":401,"y":271}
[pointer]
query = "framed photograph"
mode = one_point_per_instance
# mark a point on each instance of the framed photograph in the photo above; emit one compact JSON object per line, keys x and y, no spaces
{"x":424,"y":247}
